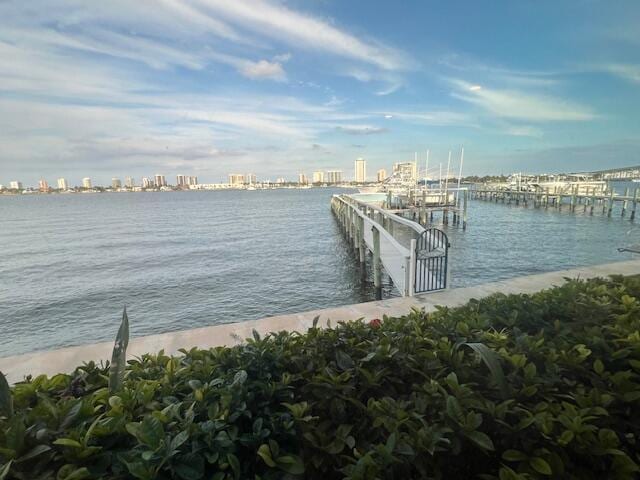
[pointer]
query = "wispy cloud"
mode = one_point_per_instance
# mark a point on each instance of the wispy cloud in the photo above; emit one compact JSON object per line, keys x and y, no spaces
{"x":523,"y":105}
{"x":361,"y":129}
{"x":302,"y":30}
{"x":628,"y":72}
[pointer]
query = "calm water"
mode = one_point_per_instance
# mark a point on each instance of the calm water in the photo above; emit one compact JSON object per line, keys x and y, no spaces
{"x":68,"y":263}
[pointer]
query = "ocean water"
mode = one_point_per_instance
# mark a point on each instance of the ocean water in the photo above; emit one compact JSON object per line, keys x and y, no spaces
{"x":178,"y":260}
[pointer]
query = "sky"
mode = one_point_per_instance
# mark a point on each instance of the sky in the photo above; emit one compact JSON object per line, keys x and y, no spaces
{"x":210,"y":87}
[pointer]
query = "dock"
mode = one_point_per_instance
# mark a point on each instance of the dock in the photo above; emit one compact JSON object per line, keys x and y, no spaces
{"x":589,"y":202}
{"x":414,"y":257}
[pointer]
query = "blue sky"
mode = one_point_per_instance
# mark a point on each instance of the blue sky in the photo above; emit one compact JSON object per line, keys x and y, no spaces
{"x":209,"y":87}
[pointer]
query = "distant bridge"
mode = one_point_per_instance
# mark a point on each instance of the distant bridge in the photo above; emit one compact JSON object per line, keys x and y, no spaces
{"x":623,"y":173}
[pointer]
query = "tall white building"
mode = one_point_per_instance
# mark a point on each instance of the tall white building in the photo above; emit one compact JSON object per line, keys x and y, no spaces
{"x":181,"y":180}
{"x":251,"y":179}
{"x":382,"y":175}
{"x":334,"y":176}
{"x":147,"y":182}
{"x":43,"y":186}
{"x":15,"y":185}
{"x":361,"y":170}
{"x":236,"y":179}
{"x":192,"y":180}
{"x":318,"y":177}
{"x":129,"y":182}
{"x":116,"y":183}
{"x":62,"y":184}
{"x":160,"y":180}
{"x":86,"y":182}
{"x":302,"y":179}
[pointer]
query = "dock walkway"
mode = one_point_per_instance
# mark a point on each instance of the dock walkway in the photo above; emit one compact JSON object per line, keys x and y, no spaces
{"x":590,"y":202}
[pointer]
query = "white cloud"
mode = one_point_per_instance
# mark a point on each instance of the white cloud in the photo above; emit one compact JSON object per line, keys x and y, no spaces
{"x":361,"y":129}
{"x":300,"y":30}
{"x":627,"y":72}
{"x":522,"y":104}
{"x":263,"y":69}
{"x":523,"y":131}
{"x":434,"y":118}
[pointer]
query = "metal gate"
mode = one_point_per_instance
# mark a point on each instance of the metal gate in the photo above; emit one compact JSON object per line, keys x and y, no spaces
{"x":432,"y":251}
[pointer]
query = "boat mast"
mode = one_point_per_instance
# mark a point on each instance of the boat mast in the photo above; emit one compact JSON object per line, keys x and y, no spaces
{"x":446,"y":180}
{"x":426,"y":170}
{"x":460,"y":173}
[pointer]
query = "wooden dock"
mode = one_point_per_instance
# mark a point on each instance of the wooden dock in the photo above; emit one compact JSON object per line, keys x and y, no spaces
{"x":589,"y":202}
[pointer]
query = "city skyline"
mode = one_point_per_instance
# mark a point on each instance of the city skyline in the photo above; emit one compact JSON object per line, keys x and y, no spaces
{"x":274,"y":87}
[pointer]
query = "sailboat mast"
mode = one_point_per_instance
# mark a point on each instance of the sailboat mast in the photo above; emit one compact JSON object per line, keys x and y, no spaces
{"x":460,"y":173}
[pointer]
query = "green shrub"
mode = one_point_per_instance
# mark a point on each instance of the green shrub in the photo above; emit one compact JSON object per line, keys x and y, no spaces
{"x":508,"y":387}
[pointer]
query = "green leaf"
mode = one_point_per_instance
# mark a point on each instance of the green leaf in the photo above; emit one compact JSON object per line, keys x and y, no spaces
{"x":514,"y":456}
{"x":4,"y":470}
{"x":76,"y":474}
{"x":235,"y":465}
{"x":598,"y":366}
{"x":344,"y":361}
{"x":265,"y":454}
{"x":34,"y":452}
{"x":481,"y":439}
{"x":291,"y":464}
{"x":190,"y":467}
{"x":492,"y":361}
{"x":239,"y":378}
{"x":67,"y":442}
{"x":6,"y":400}
{"x":540,"y":465}
{"x":119,"y":355}
{"x":179,"y":439}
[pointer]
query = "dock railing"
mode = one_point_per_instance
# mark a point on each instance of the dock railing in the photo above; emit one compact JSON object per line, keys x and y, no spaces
{"x":369,"y":227}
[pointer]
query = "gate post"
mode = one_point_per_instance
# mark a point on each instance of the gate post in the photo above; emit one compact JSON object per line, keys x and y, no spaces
{"x":411,"y":284}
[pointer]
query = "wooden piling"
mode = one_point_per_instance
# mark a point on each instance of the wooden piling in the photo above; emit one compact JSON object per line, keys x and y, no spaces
{"x":464,"y":209}
{"x":624,"y":202}
{"x":634,"y":204}
{"x":376,"y":264}
{"x":611,"y":202}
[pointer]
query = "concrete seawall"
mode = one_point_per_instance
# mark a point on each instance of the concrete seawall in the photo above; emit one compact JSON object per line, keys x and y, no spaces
{"x":66,"y":359}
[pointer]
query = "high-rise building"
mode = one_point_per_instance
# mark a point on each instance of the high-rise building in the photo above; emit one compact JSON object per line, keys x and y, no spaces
{"x":318,"y":177}
{"x":116,"y":183}
{"x":15,"y":185}
{"x":251,"y":179}
{"x":361,"y":170}
{"x":147,"y":182}
{"x":302,"y":179}
{"x":280,"y":180}
{"x":86,"y":182}
{"x":407,"y":171}
{"x":43,"y":186}
{"x":192,"y":180}
{"x":382,"y":175}
{"x":160,"y":180}
{"x":62,"y":184}
{"x":181,"y":180}
{"x":236,"y":179}
{"x":334,"y":176}
{"x":129,"y":182}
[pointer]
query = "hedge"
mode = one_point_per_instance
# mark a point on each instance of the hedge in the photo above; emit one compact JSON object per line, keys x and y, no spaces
{"x":511,"y":387}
